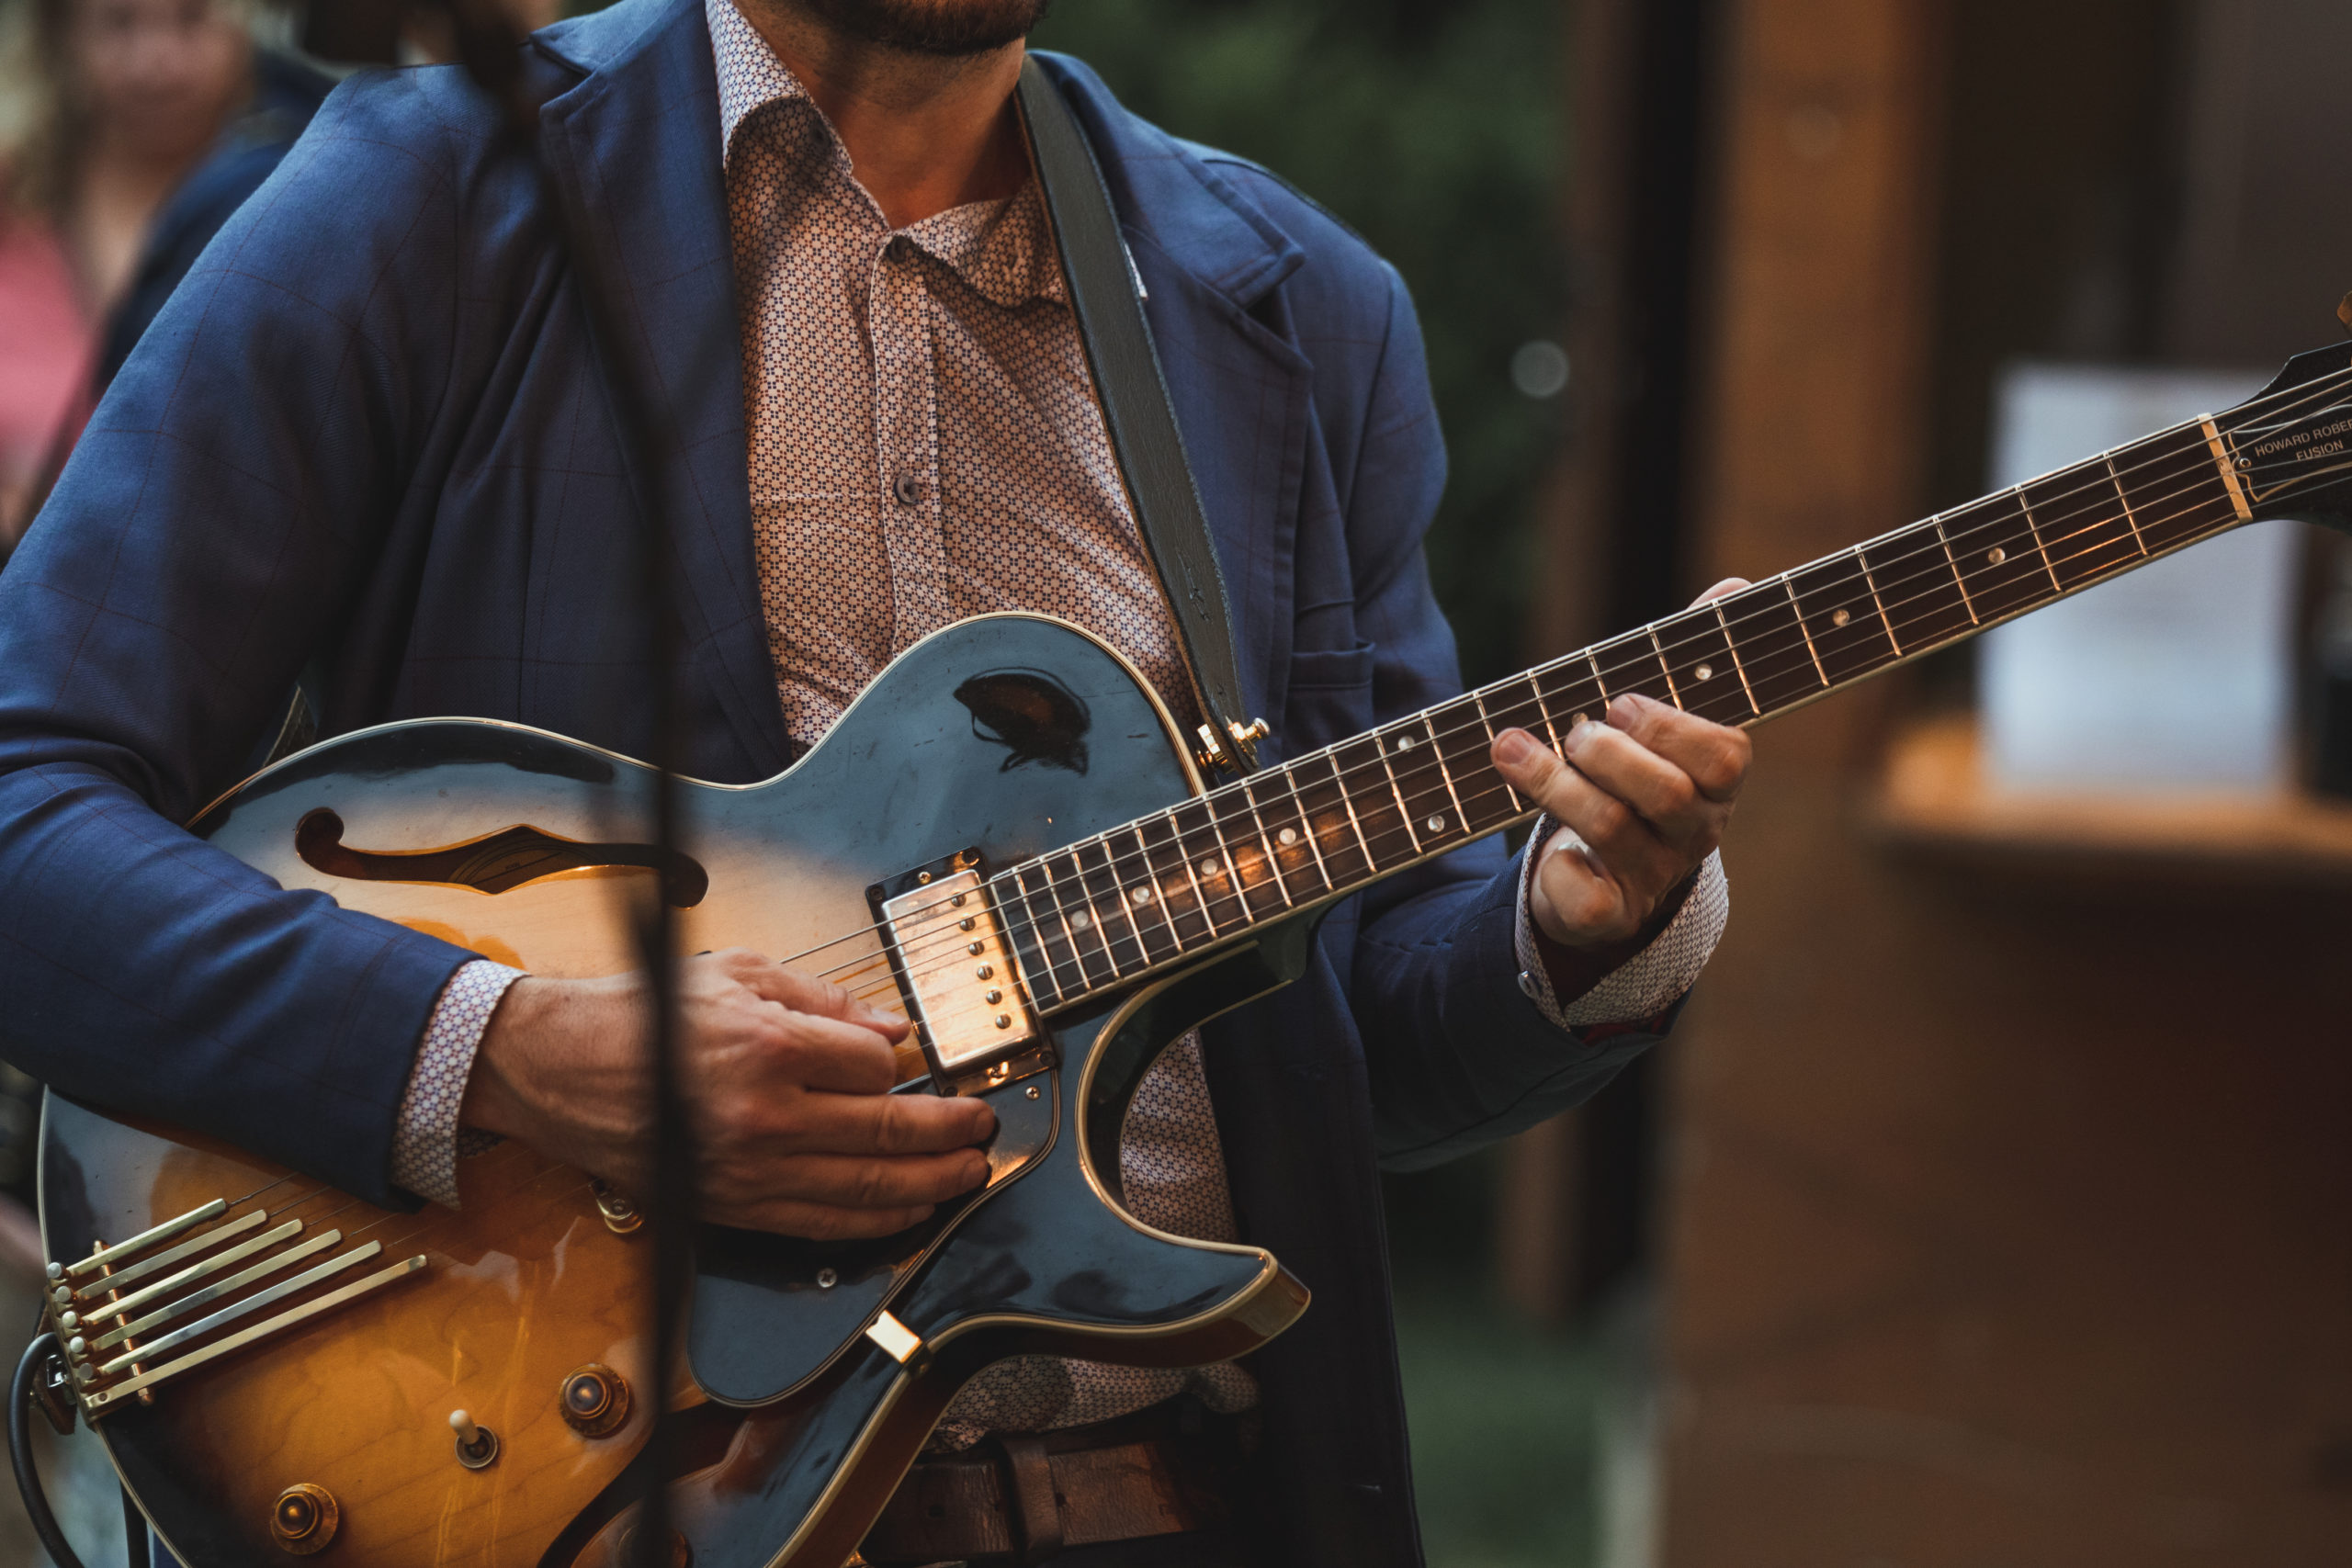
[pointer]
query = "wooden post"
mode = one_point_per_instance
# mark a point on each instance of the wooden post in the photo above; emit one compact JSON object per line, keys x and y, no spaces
{"x":2004,"y":1218}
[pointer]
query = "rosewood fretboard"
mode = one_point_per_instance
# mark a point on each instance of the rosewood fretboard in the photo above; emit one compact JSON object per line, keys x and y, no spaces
{"x":1162,"y":889}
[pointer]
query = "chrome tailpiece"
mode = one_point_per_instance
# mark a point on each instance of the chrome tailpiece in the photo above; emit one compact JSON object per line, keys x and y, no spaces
{"x":127,"y":1314}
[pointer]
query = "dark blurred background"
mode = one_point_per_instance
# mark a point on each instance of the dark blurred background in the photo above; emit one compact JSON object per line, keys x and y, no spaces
{"x":1989,"y":1207}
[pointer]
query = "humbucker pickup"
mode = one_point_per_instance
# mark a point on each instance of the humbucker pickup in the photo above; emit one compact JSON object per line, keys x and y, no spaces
{"x":960,"y":977}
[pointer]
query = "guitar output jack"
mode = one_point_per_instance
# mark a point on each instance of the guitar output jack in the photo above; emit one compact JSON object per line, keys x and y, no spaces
{"x":304,"y":1519}
{"x":594,"y":1400}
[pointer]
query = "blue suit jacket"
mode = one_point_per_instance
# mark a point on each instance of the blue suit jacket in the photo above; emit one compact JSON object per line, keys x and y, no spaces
{"x":371,"y":428}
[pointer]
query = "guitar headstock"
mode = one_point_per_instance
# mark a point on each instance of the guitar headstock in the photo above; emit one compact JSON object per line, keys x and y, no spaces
{"x":2292,"y":440}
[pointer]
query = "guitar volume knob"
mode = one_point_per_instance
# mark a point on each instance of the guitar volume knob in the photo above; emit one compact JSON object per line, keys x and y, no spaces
{"x":304,"y":1519}
{"x":594,"y":1400}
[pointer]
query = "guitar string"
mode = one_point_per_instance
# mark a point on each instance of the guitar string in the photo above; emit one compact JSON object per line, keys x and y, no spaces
{"x":1430,"y":791}
{"x":2107,"y":476}
{"x":2198,"y":459}
{"x":1426,"y":790}
{"x":1941,"y":567}
{"x":1238,"y":893}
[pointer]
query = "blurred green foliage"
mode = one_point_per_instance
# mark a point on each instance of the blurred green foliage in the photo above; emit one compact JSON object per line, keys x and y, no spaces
{"x":1435,"y":132}
{"x":1506,"y":1431}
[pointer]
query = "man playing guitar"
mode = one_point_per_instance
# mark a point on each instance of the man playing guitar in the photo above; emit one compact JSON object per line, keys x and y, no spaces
{"x":372,"y":430}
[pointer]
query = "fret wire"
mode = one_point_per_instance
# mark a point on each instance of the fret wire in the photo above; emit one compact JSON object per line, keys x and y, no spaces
{"x":1224,"y":858}
{"x":1790,"y":588}
{"x":1660,"y":649}
{"x":1437,"y":755}
{"x":1159,"y":894}
{"x":1070,"y":928}
{"x":1487,"y":721}
{"x":1966,"y":598}
{"x":1266,"y":842}
{"x":1404,"y":814}
{"x":1093,"y":915}
{"x":1101,"y":845}
{"x":1737,"y":662}
{"x":1597,"y":681}
{"x":1872,"y":583}
{"x":1126,"y":905}
{"x":1298,"y":803}
{"x":1339,"y":781}
{"x":1029,"y":915}
{"x":1551,"y":725}
{"x":2035,"y":528}
{"x":1061,"y":917}
{"x":1200,"y":899}
{"x":2131,"y":515}
{"x":1044,"y":954}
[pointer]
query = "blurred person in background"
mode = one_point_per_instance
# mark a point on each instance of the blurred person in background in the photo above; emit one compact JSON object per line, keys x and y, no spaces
{"x":138,"y":126}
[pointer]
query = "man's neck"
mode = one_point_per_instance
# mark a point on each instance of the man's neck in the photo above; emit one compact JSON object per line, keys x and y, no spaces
{"x":924,"y":132}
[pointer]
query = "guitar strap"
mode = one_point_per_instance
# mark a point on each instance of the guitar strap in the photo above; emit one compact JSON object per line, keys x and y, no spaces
{"x":1107,"y":296}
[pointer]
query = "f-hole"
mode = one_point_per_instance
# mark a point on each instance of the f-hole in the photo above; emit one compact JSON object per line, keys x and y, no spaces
{"x":502,"y":860}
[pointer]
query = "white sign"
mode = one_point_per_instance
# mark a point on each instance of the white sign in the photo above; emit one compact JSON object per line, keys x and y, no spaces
{"x":2177,"y":678}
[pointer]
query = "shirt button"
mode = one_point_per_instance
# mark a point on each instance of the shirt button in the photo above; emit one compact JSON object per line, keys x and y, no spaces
{"x":1527,"y":986}
{"x":908,"y":489}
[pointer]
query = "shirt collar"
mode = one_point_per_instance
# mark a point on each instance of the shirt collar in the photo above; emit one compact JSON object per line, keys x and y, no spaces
{"x":1004,"y":249}
{"x":749,"y":75}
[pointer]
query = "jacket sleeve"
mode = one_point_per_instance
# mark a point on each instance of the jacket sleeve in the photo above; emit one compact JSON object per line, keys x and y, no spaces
{"x":231,"y":490}
{"x":1457,"y":1054}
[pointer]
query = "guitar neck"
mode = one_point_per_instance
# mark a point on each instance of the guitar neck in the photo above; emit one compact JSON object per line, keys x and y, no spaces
{"x":1158,"y":891}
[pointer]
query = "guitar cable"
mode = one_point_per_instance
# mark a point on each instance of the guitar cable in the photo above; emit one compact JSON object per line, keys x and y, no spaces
{"x":41,"y":1354}
{"x":44,"y":1349}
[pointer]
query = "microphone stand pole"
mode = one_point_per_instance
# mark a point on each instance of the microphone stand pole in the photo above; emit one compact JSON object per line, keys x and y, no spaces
{"x":491,"y":48}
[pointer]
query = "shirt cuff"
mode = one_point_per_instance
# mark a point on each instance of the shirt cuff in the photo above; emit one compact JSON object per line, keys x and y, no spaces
{"x":1644,"y":985}
{"x":428,"y":1142}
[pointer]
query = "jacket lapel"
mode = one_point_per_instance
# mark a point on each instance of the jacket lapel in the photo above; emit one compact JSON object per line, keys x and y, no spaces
{"x":634,"y":151}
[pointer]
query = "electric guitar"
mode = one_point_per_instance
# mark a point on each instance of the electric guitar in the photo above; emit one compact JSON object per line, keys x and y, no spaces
{"x":1007,"y":838}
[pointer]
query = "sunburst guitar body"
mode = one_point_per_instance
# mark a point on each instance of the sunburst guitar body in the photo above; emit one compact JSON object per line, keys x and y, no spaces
{"x":274,"y":1365}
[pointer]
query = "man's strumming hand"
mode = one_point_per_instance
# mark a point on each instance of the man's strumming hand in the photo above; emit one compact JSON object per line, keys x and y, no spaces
{"x":1648,"y":791}
{"x":784,"y":1078}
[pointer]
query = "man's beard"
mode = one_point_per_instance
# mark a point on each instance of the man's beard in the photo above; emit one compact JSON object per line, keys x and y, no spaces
{"x":953,"y":29}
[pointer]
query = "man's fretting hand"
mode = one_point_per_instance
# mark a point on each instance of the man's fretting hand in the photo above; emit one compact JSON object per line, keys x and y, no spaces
{"x":1649,"y":791}
{"x":784,"y":1078}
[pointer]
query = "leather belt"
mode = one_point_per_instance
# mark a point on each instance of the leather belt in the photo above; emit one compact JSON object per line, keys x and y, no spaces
{"x":1020,"y":1499}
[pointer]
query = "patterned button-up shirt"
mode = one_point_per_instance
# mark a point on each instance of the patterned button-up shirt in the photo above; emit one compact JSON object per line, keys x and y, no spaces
{"x":925,"y":446}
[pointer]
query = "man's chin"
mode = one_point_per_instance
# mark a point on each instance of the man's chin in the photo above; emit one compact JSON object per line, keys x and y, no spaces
{"x":951,"y":29}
